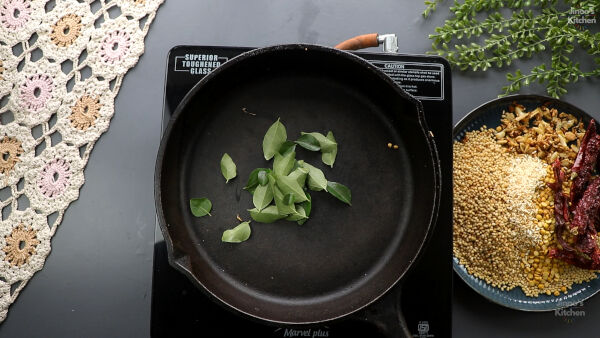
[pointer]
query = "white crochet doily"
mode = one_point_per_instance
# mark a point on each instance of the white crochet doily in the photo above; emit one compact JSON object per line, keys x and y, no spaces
{"x":61,"y":66}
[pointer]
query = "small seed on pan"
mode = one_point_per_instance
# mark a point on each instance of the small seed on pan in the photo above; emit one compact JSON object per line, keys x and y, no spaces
{"x":245,"y":110}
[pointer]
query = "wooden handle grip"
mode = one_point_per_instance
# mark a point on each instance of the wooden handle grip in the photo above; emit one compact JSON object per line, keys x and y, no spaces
{"x":359,"y":42}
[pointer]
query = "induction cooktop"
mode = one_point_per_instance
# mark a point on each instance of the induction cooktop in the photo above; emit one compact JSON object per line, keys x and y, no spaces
{"x":180,"y":309}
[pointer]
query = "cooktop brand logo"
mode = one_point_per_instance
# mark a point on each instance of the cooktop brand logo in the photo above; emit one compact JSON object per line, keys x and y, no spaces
{"x":569,"y":311}
{"x":200,"y":64}
{"x":304,"y":333}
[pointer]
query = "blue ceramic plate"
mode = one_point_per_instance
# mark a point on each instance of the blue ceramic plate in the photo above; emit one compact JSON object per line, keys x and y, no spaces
{"x":489,"y":114}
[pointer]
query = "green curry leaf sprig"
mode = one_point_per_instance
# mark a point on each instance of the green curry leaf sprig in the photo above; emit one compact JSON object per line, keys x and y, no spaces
{"x":280,"y":192}
{"x":533,"y":27}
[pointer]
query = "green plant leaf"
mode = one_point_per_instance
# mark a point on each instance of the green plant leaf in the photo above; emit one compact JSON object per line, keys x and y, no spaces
{"x":316,"y":178}
{"x":547,"y":29}
{"x":300,"y":214}
{"x":325,"y":143}
{"x":228,"y":168}
{"x":238,"y":234}
{"x":269,"y":214}
{"x":289,"y":185}
{"x":307,"y":207}
{"x":297,"y":164}
{"x":262,"y":177}
{"x":288,"y":199}
{"x":263,"y":196}
{"x":282,"y":165}
{"x":282,"y":208}
{"x":299,"y":174}
{"x":340,"y":192}
{"x":253,"y":179}
{"x":200,"y":206}
{"x":308,"y":142}
{"x":329,"y":156}
{"x":274,"y":139}
{"x":287,"y":147}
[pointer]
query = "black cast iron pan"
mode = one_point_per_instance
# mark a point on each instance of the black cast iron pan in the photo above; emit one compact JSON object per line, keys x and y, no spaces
{"x":344,"y":258}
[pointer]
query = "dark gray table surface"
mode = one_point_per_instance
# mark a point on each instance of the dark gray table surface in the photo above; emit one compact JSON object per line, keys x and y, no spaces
{"x":97,"y":280}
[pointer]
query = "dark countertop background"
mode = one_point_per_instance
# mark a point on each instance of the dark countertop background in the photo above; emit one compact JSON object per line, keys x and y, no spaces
{"x":97,"y":280}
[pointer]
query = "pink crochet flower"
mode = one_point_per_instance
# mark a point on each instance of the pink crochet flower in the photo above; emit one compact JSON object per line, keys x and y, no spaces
{"x":54,"y":178}
{"x":35,"y":91}
{"x":115,"y":46}
{"x":14,"y":14}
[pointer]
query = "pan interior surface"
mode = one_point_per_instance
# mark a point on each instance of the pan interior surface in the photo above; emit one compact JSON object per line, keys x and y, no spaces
{"x":343,"y":257}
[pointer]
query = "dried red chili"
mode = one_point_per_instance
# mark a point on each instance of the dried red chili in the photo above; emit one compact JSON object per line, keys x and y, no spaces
{"x":574,"y":259}
{"x":587,"y":209}
{"x":585,"y":163}
{"x":591,"y":131}
{"x":585,"y":204}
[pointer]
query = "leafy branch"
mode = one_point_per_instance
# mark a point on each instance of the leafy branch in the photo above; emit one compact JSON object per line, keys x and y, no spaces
{"x":533,"y":27}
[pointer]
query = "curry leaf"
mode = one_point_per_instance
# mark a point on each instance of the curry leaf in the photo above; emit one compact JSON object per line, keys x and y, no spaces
{"x":329,"y":156}
{"x":238,"y":234}
{"x":340,"y":191}
{"x":300,"y":214}
{"x":282,"y":165}
{"x":308,"y":142}
{"x":269,"y":214}
{"x":253,"y":179}
{"x":316,"y":178}
{"x":299,"y":174}
{"x":286,"y":183}
{"x":297,"y":164}
{"x":286,"y":147}
{"x":262,"y":177}
{"x":325,"y":143}
{"x":289,"y":185}
{"x":200,"y":206}
{"x":288,"y":199}
{"x":307,"y":205}
{"x":274,"y":139}
{"x":263,"y":195}
{"x":282,"y":208}
{"x":228,"y":168}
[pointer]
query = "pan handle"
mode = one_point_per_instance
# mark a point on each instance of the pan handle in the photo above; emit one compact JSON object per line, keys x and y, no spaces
{"x":359,"y":42}
{"x":389,"y":42}
{"x":386,"y":315}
